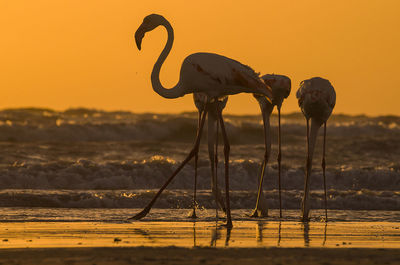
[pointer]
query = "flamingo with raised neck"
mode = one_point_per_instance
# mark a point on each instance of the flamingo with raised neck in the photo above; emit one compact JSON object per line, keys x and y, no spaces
{"x":214,"y":75}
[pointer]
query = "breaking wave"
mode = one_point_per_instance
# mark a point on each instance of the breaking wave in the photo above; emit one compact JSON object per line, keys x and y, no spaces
{"x":150,"y":174}
{"x":182,"y":199}
{"x":96,"y":159}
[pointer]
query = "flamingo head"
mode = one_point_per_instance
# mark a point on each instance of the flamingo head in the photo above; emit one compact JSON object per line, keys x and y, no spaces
{"x":281,"y":86}
{"x":149,"y":23}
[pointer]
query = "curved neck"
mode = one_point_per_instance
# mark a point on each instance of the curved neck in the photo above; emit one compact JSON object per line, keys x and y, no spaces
{"x":177,"y":90}
{"x":315,"y":125}
{"x":266,"y":111}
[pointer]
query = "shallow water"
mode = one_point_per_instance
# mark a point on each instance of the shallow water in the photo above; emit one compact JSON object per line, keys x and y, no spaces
{"x":113,"y":215}
{"x":43,"y":228}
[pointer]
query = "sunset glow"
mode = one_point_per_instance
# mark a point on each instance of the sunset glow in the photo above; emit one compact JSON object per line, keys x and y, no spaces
{"x":62,"y":54}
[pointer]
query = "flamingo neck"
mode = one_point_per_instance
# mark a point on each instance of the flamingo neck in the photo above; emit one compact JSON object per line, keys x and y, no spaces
{"x":315,"y":125}
{"x":177,"y":90}
{"x":266,"y":113}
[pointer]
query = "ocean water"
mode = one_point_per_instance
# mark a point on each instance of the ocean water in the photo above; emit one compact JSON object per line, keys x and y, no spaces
{"x":90,"y":159}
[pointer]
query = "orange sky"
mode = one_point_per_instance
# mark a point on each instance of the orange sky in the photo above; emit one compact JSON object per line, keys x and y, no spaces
{"x":74,"y":53}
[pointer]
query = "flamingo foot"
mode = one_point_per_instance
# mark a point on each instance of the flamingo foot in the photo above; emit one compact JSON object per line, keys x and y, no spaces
{"x":140,"y":215}
{"x":261,"y":209}
{"x":254,"y":214}
{"x":259,"y":213}
{"x":192,"y":214}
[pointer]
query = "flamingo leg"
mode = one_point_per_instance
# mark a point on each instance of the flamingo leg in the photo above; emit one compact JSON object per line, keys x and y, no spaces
{"x":219,"y":194}
{"x":212,"y":149}
{"x":323,"y":173}
{"x":226,"y":153}
{"x":305,"y":207}
{"x":255,"y":212}
{"x":263,"y":210}
{"x":216,"y":171}
{"x":192,"y":153}
{"x":192,"y":214}
{"x":312,"y":134}
{"x":279,"y":160}
{"x":196,"y":158}
{"x":220,"y":201}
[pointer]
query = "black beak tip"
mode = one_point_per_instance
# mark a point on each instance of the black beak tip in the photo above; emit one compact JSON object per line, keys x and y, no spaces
{"x":138,"y":42}
{"x":138,"y":38}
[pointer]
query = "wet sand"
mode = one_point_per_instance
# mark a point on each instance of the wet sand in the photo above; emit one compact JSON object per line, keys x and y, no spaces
{"x":245,"y":234}
{"x":155,"y":242}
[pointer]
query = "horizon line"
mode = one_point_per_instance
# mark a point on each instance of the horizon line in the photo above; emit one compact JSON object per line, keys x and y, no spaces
{"x":175,"y":113}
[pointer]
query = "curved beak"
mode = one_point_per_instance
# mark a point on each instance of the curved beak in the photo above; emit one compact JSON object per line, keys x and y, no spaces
{"x":267,"y":92}
{"x":139,"y":34}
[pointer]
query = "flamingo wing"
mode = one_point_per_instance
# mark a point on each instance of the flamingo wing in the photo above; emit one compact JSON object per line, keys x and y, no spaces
{"x":218,"y":75}
{"x":319,"y":89}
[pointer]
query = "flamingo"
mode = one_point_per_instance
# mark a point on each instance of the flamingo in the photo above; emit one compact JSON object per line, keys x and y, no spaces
{"x":214,"y":75}
{"x":317,"y":99}
{"x":201,"y":100}
{"x":281,"y":86}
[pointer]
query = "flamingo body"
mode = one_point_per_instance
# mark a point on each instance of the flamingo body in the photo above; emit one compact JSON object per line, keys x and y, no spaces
{"x":218,"y":76}
{"x":316,"y":98}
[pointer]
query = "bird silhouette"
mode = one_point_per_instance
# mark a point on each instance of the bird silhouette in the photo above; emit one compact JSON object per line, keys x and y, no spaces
{"x":214,"y":75}
{"x":317,"y":98}
{"x":281,"y":86}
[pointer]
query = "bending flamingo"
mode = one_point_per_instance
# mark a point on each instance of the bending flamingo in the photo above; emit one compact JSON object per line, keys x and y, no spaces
{"x":317,"y":99}
{"x":281,"y":86}
{"x":216,"y":76}
{"x":201,"y":100}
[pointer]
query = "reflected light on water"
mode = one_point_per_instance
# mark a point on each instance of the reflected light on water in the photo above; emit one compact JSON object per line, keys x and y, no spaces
{"x":200,"y":234}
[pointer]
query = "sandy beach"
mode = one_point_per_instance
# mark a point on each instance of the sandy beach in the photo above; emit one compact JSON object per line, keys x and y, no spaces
{"x":173,"y":255}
